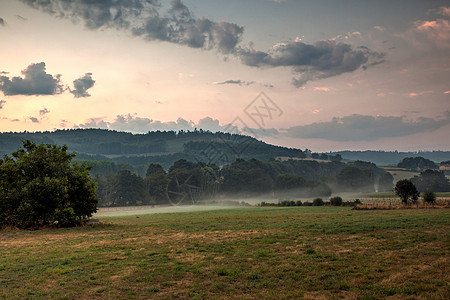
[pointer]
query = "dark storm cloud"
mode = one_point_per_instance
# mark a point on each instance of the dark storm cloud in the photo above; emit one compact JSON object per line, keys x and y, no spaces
{"x":96,"y":14}
{"x":178,"y":25}
{"x":144,"y":18}
{"x":366,"y":128}
{"x":322,"y":59}
{"x":81,"y":85}
{"x":181,"y":27}
{"x":35,"y":81}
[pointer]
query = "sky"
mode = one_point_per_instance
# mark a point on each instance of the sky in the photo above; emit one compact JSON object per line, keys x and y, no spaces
{"x":325,"y":75}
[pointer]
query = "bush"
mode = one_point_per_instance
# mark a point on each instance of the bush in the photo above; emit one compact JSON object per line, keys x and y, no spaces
{"x":336,"y":201}
{"x":318,"y":202}
{"x":429,"y":197}
{"x":39,"y":187}
{"x":287,"y":203}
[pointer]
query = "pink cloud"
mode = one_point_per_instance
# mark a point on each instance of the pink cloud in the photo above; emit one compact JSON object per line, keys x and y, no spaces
{"x":445,"y":11}
{"x":436,"y":31}
{"x":321,"y":89}
{"x":420,"y":93}
{"x":379,"y":28}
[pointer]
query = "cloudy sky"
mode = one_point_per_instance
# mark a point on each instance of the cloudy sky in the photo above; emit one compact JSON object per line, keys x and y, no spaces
{"x":325,"y":75}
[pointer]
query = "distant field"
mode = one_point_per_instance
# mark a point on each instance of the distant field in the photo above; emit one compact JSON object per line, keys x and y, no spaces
{"x":251,"y":253}
{"x":402,"y":174}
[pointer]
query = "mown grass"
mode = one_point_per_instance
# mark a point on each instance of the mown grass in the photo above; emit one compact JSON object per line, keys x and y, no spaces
{"x":259,"y":252}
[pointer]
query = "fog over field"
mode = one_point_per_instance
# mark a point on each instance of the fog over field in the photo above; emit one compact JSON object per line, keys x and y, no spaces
{"x":144,"y":210}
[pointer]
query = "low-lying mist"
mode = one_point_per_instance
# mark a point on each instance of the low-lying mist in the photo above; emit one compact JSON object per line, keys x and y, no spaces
{"x":204,"y":205}
{"x":144,"y":210}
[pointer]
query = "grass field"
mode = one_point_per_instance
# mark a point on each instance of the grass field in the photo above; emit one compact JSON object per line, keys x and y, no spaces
{"x":257,"y":252}
{"x":402,"y":174}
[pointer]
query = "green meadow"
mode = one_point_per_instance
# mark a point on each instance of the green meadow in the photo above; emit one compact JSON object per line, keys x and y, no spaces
{"x":244,"y":253}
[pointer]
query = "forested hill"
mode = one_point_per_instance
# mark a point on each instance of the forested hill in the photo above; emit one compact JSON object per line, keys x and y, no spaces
{"x":392,"y":157}
{"x":166,"y":147}
{"x":163,"y":147}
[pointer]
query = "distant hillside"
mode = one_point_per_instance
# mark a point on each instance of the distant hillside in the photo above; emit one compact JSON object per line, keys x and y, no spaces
{"x":392,"y":158}
{"x":164,"y":147}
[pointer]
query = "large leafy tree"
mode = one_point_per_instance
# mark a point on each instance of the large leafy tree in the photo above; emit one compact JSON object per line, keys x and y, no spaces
{"x":156,"y":183}
{"x":406,"y":190}
{"x":39,"y":186}
{"x":432,"y":180}
{"x":123,"y":189}
{"x":355,"y":179}
{"x":153,"y":169}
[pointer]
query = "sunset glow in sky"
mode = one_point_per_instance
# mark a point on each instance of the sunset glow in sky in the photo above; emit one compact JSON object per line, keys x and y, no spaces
{"x":335,"y":75}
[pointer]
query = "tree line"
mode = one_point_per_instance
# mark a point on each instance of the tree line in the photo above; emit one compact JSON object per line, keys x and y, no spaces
{"x":41,"y":185}
{"x":187,"y":181}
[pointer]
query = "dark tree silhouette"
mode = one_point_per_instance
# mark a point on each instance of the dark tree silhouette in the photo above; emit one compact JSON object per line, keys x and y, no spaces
{"x":406,"y":190}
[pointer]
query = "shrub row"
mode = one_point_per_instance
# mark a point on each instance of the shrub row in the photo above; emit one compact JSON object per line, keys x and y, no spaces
{"x":334,"y":201}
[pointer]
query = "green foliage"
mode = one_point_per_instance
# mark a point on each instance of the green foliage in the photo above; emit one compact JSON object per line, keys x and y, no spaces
{"x":123,"y":189}
{"x":429,"y":197}
{"x":292,"y":185}
{"x":318,"y":202}
{"x":287,"y":179}
{"x":431,"y":180}
{"x":247,"y":177}
{"x":153,"y":169}
{"x":336,"y":201}
{"x":406,"y":190}
{"x":417,"y":163}
{"x":392,"y":157}
{"x":283,"y":203}
{"x":156,"y":185}
{"x":156,"y":182}
{"x":352,"y":178}
{"x":336,"y":157}
{"x":39,"y":186}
